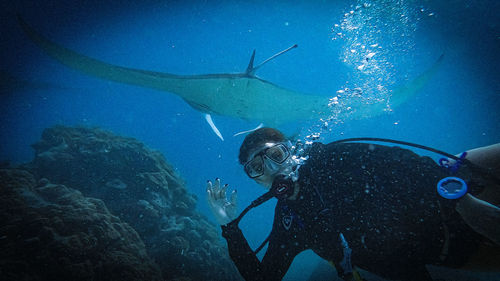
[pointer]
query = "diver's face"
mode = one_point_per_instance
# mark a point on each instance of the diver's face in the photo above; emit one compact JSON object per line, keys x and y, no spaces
{"x":268,"y":161}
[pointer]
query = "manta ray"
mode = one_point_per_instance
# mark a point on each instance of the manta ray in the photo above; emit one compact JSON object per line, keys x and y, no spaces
{"x":239,"y":95}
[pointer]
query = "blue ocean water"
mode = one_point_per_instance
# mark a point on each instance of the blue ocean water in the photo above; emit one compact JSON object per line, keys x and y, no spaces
{"x":457,"y":110}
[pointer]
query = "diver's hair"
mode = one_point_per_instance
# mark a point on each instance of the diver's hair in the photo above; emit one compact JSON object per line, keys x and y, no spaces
{"x":257,"y":138}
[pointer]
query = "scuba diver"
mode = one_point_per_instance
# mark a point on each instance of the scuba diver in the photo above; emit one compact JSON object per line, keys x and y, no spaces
{"x":384,"y":209}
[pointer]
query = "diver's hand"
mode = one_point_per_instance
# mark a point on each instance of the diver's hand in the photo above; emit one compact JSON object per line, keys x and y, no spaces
{"x":223,"y":209}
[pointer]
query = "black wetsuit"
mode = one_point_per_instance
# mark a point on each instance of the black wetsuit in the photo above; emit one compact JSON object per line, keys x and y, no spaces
{"x":382,"y":199}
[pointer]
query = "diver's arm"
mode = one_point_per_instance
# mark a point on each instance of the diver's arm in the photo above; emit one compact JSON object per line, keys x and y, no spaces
{"x":481,"y":216}
{"x":482,"y":213}
{"x":274,"y":265}
{"x":487,"y":157}
{"x":240,"y":252}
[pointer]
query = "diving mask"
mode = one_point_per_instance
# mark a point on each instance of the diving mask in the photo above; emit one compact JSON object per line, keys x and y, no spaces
{"x":272,"y":156}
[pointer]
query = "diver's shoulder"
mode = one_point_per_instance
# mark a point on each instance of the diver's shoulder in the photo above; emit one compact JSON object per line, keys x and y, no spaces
{"x":319,"y":148}
{"x":342,"y":146}
{"x":359,"y":147}
{"x":319,"y":151}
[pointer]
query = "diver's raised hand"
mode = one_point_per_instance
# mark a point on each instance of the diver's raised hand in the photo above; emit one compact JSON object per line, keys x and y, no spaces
{"x":223,"y":209}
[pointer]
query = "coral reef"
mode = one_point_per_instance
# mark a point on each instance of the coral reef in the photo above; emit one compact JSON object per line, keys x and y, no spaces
{"x":52,"y":232}
{"x":141,"y":188}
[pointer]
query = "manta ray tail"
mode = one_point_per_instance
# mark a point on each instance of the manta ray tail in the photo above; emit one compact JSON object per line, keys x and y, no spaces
{"x":251,"y":69}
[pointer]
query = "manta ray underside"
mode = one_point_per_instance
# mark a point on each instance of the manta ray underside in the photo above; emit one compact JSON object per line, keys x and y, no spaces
{"x":239,"y":95}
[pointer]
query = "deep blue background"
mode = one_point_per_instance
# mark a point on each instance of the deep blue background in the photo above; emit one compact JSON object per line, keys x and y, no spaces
{"x":456,"y":111}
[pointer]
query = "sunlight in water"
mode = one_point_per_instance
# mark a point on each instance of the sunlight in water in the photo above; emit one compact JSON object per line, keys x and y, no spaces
{"x":372,"y":35}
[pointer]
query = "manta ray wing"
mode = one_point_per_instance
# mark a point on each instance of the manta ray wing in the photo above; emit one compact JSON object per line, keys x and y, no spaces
{"x":240,"y":95}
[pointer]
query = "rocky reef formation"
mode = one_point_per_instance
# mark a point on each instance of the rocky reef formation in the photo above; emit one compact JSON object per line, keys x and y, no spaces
{"x":142,"y":192}
{"x":52,"y":232}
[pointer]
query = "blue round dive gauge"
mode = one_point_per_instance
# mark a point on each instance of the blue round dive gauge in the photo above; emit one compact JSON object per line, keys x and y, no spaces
{"x":452,"y":187}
